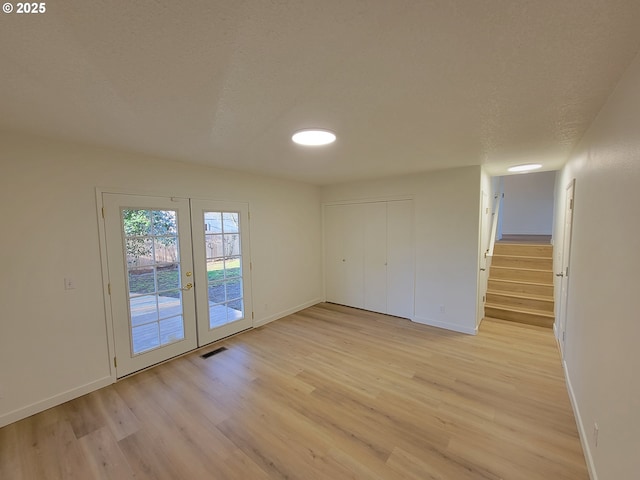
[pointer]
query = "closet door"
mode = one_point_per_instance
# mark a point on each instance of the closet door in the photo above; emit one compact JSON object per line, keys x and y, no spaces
{"x":344,"y":256}
{"x":375,"y":256}
{"x":400,"y":259}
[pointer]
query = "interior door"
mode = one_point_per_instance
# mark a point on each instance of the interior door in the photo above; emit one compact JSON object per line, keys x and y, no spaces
{"x":566,"y":256}
{"x":222,"y":268}
{"x":375,"y":256}
{"x":344,"y":256}
{"x":150,"y":279}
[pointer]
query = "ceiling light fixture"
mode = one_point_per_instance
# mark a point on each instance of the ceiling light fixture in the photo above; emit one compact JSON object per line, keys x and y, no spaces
{"x":313,"y":137}
{"x":525,"y":168}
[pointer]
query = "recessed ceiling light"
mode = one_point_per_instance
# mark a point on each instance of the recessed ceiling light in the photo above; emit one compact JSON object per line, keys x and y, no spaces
{"x":313,"y":137}
{"x":525,"y":168}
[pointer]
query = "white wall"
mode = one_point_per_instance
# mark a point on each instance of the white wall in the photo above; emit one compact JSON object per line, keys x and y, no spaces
{"x":53,"y":343}
{"x":527,"y":208}
{"x":446,"y":235}
{"x":602,"y":354}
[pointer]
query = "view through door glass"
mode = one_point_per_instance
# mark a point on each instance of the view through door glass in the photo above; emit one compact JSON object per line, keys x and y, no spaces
{"x":153,"y":278}
{"x":224,"y":267}
{"x":221,"y":256}
{"x":149,"y":263}
{"x":179,"y":275}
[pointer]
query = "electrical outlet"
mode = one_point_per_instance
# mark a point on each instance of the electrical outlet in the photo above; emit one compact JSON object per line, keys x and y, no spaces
{"x":69,"y":283}
{"x":441,"y":308}
{"x":596,"y":430}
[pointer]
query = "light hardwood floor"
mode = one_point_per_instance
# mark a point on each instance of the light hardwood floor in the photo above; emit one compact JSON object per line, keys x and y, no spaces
{"x":328,"y":393}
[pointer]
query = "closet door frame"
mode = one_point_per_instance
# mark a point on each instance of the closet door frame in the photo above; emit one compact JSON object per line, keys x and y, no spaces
{"x":410,"y":198}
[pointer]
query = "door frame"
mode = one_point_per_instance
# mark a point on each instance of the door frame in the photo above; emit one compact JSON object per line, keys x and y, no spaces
{"x":387,"y":198}
{"x":569,"y":208}
{"x":120,"y":296}
{"x":483,"y":244}
{"x":104,"y":270}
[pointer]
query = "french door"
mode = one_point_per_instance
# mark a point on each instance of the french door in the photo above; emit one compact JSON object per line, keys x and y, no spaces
{"x":179,"y":275}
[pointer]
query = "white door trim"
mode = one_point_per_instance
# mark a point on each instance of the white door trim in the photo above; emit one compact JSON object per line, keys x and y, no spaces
{"x":108,"y":313}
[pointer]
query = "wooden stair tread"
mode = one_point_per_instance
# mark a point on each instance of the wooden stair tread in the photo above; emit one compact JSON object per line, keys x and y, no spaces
{"x":521,"y":282}
{"x":531,"y":244}
{"x":509,"y":322}
{"x":527,"y":296}
{"x":502,"y":255}
{"x":529,"y":311}
{"x":519,"y":268}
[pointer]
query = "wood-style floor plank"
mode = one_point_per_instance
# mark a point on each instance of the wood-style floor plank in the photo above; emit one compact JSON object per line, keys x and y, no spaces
{"x":330,"y":392}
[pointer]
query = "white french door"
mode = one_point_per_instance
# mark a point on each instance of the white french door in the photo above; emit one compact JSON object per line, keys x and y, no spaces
{"x":222,"y":268}
{"x":179,"y":275}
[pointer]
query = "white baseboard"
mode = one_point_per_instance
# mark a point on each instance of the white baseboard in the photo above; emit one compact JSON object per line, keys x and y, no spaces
{"x":446,"y":325}
{"x":593,"y":475}
{"x":37,"y":407}
{"x":263,"y":321}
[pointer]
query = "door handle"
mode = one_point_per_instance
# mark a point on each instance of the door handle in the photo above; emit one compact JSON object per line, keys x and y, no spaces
{"x":188,"y":286}
{"x":560,"y":274}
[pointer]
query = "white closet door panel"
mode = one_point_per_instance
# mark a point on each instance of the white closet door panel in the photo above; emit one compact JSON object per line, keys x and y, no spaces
{"x":344,"y":278}
{"x":375,"y":256}
{"x":353,"y":258}
{"x":333,"y":253}
{"x":400,"y":259}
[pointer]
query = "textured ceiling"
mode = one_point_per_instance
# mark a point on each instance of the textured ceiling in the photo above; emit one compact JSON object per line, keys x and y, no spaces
{"x":408,"y":86}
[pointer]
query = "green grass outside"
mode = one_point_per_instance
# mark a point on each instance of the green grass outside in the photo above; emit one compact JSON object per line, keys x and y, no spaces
{"x":143,"y":283}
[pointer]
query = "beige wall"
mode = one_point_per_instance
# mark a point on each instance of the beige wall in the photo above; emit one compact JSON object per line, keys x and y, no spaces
{"x":527,"y":207}
{"x":446,"y":207}
{"x":602,"y":356}
{"x":53,"y":343}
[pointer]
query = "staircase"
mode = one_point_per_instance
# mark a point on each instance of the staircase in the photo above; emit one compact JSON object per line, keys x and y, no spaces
{"x":520,"y":285}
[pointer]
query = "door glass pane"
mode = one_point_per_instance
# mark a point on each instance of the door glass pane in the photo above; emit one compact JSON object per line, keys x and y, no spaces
{"x":139,"y":251}
{"x":213,"y":245}
{"x":171,"y":329}
{"x":224,"y":267}
{"x":153,"y":274}
{"x":231,"y":244}
{"x":143,"y":309}
{"x":168,"y":277}
{"x":235,"y":309}
{"x":142,"y":281}
{"x":217,"y":315}
{"x":216,"y":292}
{"x":212,"y":222}
{"x":234,"y":288}
{"x":165,"y":249}
{"x":169,"y":304}
{"x":233,"y":267}
{"x":230,"y":221}
{"x":146,"y":337}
